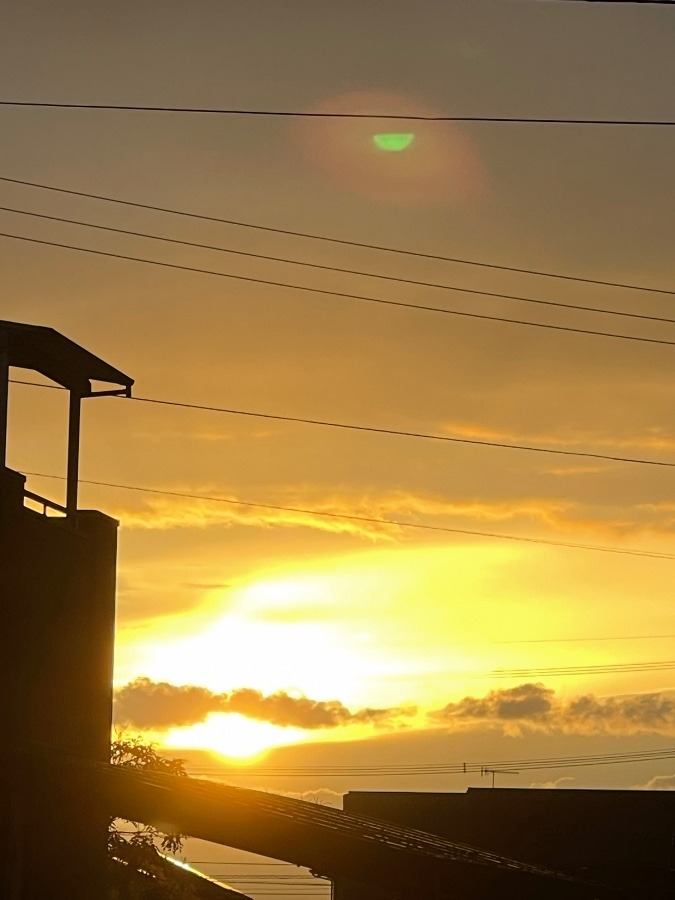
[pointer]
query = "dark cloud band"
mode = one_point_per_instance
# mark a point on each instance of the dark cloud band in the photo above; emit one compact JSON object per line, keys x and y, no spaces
{"x":148,"y":704}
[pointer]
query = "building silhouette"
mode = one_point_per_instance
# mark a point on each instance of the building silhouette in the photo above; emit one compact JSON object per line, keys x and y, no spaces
{"x":622,"y":839}
{"x":57,"y":592}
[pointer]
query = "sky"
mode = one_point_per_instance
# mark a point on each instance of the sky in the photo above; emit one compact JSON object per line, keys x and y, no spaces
{"x":286,"y":639}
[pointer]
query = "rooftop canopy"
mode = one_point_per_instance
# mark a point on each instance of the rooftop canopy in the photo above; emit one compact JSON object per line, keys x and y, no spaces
{"x":56,"y":357}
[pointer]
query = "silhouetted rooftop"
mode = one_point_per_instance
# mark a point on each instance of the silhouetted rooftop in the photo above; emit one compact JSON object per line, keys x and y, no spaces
{"x":56,"y":357}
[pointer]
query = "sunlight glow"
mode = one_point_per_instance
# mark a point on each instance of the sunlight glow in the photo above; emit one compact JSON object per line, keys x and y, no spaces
{"x":234,"y":737}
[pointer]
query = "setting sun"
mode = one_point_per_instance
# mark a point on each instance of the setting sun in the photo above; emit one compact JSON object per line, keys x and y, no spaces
{"x":233,"y":737}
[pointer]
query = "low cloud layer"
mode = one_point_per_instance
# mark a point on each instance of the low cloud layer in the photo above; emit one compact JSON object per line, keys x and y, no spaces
{"x":158,"y":706}
{"x":535,"y":707}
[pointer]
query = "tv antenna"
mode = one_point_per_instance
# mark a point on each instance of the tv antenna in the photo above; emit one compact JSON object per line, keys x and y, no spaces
{"x":484,"y":770}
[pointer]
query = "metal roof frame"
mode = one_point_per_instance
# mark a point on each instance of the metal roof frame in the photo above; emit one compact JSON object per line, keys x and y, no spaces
{"x":69,"y":365}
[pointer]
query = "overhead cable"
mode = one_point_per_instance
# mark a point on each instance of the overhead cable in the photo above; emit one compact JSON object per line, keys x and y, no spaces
{"x":372,"y":429}
{"x":340,"y":241}
{"x":437,"y":769}
{"x":326,"y":268}
{"x":342,"y":294}
{"x":371,"y":520}
{"x":576,"y":640}
{"x":308,"y":114}
{"x":603,"y":669}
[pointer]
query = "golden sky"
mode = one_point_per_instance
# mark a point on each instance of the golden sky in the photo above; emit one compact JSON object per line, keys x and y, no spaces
{"x":351,"y":642}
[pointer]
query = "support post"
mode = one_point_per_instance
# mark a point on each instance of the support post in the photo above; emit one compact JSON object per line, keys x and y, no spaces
{"x":73,"y":452}
{"x":4,"y":399}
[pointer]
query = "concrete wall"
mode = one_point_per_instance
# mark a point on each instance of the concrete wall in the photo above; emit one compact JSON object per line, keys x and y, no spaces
{"x":57,"y":602}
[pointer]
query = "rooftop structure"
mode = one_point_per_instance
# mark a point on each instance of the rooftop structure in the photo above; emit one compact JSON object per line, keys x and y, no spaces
{"x":55,"y":356}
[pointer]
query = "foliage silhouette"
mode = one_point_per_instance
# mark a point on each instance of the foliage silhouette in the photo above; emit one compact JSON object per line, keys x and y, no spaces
{"x":136,"y":867}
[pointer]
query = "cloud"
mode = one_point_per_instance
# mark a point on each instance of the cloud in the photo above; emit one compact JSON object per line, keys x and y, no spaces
{"x":157,"y":706}
{"x":535,"y":707}
{"x":659,"y":783}
{"x":161,"y":513}
{"x":527,"y":701}
{"x":144,"y":703}
{"x":559,"y":782}
{"x":557,"y":514}
{"x":320,"y":796}
{"x":650,"y":712}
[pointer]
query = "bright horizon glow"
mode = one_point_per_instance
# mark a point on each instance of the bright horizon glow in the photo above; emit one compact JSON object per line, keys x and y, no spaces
{"x":340,"y":629}
{"x":393,"y":142}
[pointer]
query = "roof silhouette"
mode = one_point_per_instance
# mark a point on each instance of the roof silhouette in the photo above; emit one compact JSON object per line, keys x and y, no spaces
{"x":58,"y":358}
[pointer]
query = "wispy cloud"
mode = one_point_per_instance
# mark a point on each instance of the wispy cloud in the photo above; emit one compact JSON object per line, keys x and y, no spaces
{"x":159,"y":512}
{"x":162,"y":513}
{"x":555,"y":514}
{"x":659,"y":783}
{"x":563,"y":781}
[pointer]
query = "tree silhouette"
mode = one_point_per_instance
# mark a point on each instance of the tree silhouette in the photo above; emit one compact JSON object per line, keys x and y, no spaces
{"x":136,"y":866}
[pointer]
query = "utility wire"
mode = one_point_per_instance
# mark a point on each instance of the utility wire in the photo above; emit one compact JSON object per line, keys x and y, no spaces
{"x":576,"y":640}
{"x":366,"y":519}
{"x":341,"y":241}
{"x":341,"y":294}
{"x":301,"y":114}
{"x":326,"y":268}
{"x":606,"y":669}
{"x":438,"y":769}
{"x":371,"y":429}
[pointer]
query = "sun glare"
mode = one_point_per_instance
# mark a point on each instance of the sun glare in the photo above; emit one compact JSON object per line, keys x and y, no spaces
{"x":233,"y":737}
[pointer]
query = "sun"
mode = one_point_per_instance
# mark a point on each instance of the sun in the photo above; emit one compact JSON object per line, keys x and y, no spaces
{"x":233,"y":736}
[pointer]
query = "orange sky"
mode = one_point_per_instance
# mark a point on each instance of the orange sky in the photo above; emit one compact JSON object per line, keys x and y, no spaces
{"x":346,"y":640}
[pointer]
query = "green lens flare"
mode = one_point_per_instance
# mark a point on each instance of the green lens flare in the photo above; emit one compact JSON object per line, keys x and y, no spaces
{"x":393,"y":142}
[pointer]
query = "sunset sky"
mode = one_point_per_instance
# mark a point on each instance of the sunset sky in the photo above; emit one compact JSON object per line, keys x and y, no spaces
{"x":286,"y":639}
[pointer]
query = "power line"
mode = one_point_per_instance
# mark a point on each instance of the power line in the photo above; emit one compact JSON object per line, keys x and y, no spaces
{"x":438,"y":769}
{"x":372,"y":520}
{"x":377,"y":300}
{"x":606,"y":669}
{"x":371,"y":429}
{"x":341,"y":241}
{"x":575,"y":640}
{"x":301,"y":114}
{"x":326,"y":268}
